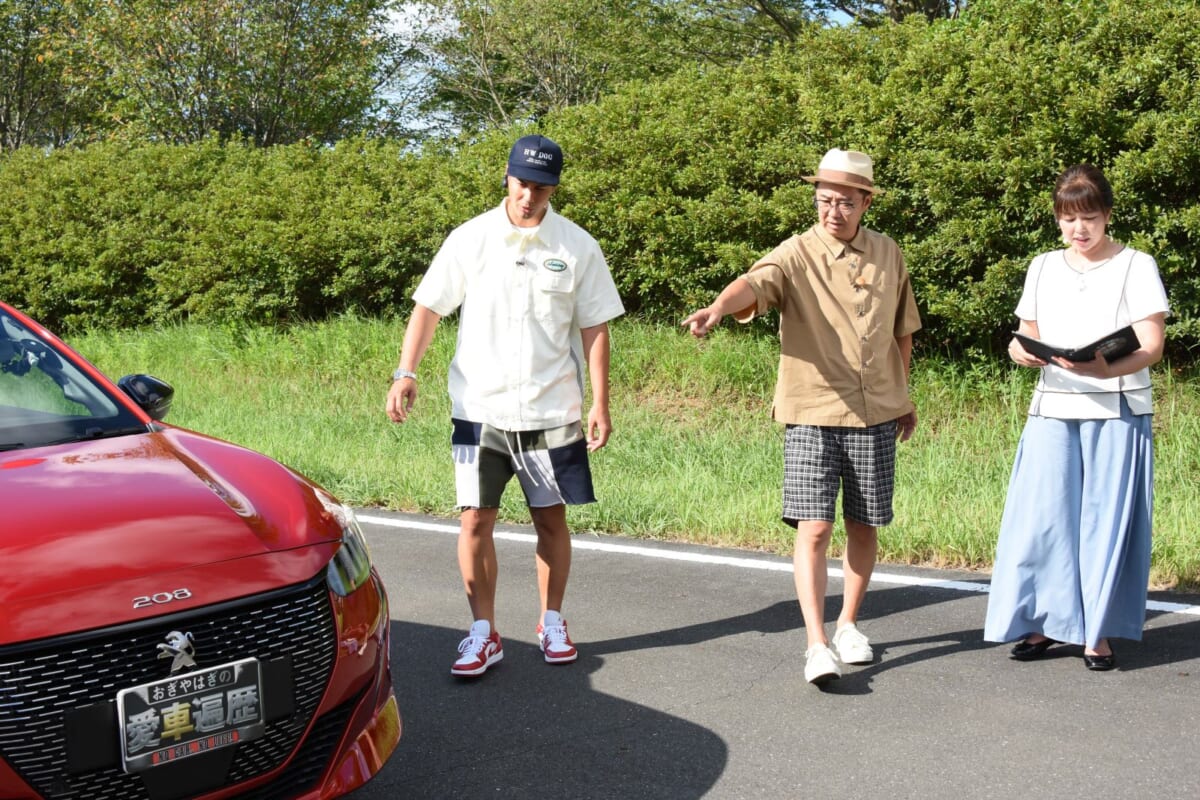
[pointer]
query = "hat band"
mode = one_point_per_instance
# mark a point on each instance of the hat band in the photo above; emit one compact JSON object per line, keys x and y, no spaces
{"x":844,"y":178}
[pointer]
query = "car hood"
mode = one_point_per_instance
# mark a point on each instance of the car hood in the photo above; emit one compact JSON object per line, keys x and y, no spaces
{"x":91,"y":526}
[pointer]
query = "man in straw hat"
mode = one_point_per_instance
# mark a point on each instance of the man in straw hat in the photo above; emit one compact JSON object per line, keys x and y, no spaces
{"x":847,"y":316}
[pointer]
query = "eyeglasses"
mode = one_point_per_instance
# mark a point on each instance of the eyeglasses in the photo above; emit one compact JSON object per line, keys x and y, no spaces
{"x":844,"y":206}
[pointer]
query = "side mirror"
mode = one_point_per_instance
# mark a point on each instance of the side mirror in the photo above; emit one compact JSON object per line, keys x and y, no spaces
{"x":152,"y":395}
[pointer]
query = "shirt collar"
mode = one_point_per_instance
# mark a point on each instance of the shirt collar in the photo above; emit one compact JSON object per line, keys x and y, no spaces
{"x":524,"y":237}
{"x":837,"y":247}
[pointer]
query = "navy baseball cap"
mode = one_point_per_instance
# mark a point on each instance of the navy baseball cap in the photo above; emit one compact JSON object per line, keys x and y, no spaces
{"x":535,"y":158}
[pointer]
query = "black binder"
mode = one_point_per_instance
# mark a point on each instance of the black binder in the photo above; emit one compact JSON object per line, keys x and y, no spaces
{"x":1117,"y":344}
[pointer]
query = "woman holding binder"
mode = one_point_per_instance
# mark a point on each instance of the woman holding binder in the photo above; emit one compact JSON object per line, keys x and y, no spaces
{"x":1073,"y":558}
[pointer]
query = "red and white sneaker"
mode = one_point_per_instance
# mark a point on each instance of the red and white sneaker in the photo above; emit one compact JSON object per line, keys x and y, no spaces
{"x":554,"y":641}
{"x":480,"y":650}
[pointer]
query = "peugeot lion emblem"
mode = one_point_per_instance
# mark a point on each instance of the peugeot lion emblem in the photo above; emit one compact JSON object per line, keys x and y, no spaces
{"x":180,"y":648}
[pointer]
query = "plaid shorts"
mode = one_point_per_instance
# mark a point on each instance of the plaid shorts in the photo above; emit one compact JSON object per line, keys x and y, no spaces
{"x":551,"y":465}
{"x":816,"y":459}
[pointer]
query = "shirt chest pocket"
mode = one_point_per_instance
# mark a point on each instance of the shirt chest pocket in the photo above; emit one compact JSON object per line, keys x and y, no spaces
{"x":554,"y":296}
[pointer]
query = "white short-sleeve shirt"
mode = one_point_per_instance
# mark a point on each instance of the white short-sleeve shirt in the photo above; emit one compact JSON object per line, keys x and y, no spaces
{"x":524,"y":294}
{"x":1073,"y":308}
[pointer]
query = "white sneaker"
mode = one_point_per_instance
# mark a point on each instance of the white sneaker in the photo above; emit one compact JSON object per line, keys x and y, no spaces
{"x":481,"y":649}
{"x":821,"y":665}
{"x":554,"y":641}
{"x":852,"y":646}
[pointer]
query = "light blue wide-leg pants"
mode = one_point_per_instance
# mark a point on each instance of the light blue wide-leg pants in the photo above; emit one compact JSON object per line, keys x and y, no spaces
{"x":1073,"y":557}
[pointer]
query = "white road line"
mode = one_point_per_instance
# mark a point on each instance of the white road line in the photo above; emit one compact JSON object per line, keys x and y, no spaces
{"x":583,"y":543}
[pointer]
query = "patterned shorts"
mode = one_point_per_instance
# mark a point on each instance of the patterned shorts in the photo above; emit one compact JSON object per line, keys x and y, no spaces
{"x":817,"y":459}
{"x":551,"y":465}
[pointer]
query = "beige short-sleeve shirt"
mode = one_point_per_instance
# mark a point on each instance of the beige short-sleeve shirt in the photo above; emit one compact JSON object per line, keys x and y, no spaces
{"x":842,"y":306}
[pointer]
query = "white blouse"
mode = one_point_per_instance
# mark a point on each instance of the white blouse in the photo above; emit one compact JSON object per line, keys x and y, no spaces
{"x":1072,"y":308}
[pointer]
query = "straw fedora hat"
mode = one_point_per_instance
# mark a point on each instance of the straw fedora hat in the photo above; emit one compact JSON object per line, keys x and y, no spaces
{"x":846,"y":168}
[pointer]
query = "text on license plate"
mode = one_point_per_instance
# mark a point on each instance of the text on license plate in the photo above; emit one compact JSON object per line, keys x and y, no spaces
{"x":189,"y":714}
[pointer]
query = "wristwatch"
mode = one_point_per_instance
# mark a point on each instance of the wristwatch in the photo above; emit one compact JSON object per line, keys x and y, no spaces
{"x":403,"y":373}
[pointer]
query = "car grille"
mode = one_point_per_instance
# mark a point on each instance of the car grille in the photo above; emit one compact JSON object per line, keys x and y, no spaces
{"x":39,"y":682}
{"x":310,"y":762}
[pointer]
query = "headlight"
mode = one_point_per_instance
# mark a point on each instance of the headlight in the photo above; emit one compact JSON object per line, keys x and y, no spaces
{"x":351,"y":565}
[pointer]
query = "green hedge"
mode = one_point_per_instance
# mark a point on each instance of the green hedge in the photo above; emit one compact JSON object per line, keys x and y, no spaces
{"x":969,"y":121}
{"x":683,"y":182}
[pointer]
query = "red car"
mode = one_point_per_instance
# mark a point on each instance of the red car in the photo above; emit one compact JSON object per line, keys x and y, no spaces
{"x":179,"y":617}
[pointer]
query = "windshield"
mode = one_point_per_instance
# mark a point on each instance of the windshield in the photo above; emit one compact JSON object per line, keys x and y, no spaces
{"x":45,"y":399}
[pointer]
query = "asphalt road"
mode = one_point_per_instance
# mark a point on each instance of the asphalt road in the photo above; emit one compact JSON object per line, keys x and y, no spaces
{"x":690,"y":684}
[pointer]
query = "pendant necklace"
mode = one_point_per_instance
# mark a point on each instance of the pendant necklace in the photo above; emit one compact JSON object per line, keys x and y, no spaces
{"x":1081,"y":274}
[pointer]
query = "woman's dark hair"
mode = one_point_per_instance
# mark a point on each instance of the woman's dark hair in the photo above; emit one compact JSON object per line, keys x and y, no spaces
{"x":1080,"y":189}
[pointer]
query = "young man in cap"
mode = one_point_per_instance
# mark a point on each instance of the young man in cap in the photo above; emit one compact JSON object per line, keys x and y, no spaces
{"x":847,"y":316}
{"x":535,"y":296}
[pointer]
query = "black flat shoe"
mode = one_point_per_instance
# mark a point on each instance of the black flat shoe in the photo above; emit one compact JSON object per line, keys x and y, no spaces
{"x":1099,"y":663}
{"x":1026,"y":650}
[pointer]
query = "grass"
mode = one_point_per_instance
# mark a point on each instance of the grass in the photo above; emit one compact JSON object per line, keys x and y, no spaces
{"x":695,"y":456}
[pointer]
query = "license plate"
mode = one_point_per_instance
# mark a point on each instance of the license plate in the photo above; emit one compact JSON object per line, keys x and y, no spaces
{"x":190,"y":714}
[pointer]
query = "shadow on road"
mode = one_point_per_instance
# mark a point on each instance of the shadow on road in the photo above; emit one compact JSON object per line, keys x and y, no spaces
{"x":1161,"y":644}
{"x":529,"y":729}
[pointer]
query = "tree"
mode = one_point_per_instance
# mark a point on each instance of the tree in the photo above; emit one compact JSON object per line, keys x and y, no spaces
{"x":726,"y":31}
{"x":271,"y":71}
{"x":490,"y":63}
{"x":493,"y":62}
{"x":874,"y":12}
{"x":33,"y":107}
